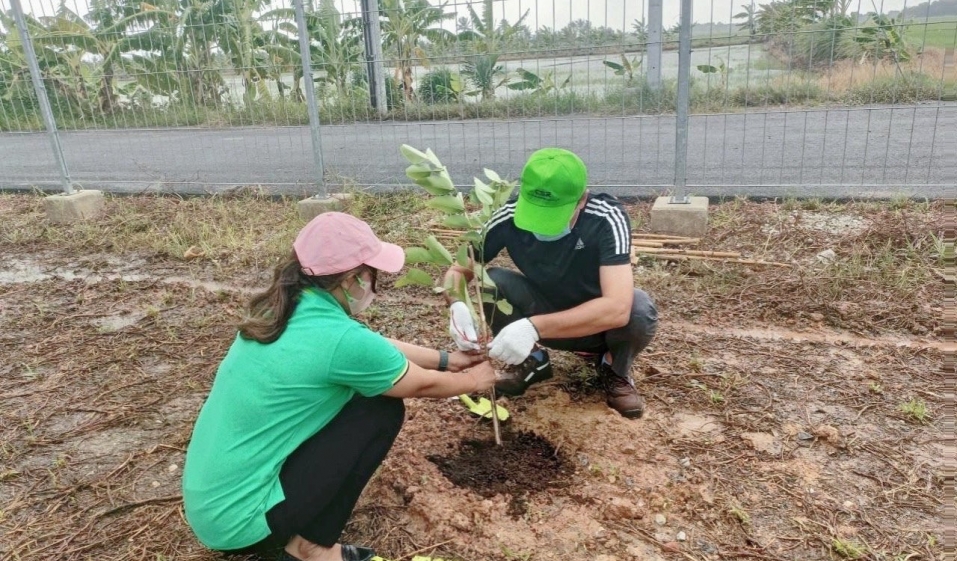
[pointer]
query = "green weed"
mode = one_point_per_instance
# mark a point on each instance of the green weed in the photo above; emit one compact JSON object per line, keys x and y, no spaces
{"x":916,"y":409}
{"x":742,"y":516}
{"x":848,"y":549}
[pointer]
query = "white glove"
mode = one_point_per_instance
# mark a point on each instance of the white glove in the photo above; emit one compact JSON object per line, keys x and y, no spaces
{"x":462,"y":327}
{"x":514,"y":342}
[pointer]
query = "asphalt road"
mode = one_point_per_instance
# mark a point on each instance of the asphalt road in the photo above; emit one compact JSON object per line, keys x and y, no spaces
{"x":856,"y":152}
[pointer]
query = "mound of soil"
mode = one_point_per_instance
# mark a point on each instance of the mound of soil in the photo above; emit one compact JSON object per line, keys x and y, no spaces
{"x":524,"y":464}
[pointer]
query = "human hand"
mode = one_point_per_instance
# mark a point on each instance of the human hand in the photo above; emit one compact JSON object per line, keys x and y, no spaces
{"x":462,"y":327}
{"x":514,"y":343}
{"x":461,"y":360}
{"x":483,"y":375}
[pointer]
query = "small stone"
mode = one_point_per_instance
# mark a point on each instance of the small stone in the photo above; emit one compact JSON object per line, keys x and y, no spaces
{"x":805,"y":436}
{"x":671,"y":547}
{"x":685,"y":462}
{"x":155,"y":484}
{"x":660,"y":519}
{"x":172,"y":468}
{"x":815,"y":316}
{"x":681,"y":536}
{"x":628,"y":449}
{"x":827,"y":256}
{"x":623,"y":509}
{"x":849,"y":505}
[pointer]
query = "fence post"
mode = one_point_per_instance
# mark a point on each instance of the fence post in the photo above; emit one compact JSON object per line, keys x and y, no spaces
{"x":45,"y":110}
{"x":683,"y":102}
{"x":306,"y":56}
{"x":654,"y":43}
{"x":373,"y":43}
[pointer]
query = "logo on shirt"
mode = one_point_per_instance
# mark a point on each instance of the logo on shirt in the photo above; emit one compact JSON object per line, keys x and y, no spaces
{"x":580,"y":244}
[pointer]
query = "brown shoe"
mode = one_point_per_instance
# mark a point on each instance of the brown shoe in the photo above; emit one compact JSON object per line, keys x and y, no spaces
{"x":516,"y":379}
{"x":620,"y":393}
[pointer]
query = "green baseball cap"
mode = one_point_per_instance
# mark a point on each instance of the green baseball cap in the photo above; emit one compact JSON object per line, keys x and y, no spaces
{"x":553,"y":182}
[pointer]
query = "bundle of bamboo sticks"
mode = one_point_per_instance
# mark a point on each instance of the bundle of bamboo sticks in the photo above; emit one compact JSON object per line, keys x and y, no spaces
{"x":659,"y":246}
{"x":672,"y":248}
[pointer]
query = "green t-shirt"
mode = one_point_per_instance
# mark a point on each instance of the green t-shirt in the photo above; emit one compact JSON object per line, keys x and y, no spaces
{"x":265,"y":402}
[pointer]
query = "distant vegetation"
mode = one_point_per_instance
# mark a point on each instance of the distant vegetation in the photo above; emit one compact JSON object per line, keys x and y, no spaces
{"x":129,"y":63}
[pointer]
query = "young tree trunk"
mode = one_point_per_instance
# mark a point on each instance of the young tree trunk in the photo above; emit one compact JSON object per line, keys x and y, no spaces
{"x":106,"y":96}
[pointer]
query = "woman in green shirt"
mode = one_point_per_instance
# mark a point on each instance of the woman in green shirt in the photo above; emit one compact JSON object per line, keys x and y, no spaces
{"x":308,"y":401}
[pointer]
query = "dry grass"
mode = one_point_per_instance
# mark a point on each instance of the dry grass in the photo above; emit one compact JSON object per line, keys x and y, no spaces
{"x":110,"y":350}
{"x":848,"y":74}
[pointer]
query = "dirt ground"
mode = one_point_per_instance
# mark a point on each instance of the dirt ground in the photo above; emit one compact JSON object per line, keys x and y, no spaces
{"x":793,"y":413}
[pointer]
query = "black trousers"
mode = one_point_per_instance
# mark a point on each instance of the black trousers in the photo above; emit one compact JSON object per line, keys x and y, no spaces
{"x":323,"y":478}
{"x":624,"y":342}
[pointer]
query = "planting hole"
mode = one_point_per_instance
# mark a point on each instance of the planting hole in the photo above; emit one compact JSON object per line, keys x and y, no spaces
{"x":525,"y":464}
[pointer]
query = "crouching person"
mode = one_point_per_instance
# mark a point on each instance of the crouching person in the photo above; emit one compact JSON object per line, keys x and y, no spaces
{"x":574,"y":288}
{"x":308,"y":401}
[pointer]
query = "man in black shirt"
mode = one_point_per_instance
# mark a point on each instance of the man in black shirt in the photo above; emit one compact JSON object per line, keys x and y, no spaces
{"x":574,"y":289}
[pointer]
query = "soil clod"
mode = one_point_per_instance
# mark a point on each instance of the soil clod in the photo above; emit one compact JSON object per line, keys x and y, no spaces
{"x":525,"y":463}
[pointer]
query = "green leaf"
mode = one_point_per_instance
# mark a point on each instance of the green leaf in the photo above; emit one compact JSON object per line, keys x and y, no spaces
{"x":707,"y":68}
{"x":462,"y":255}
{"x":415,"y":255}
{"x":613,"y":65}
{"x":414,"y":277}
{"x":482,"y":192}
{"x":492,"y":175}
{"x":457,"y":221}
{"x":438,"y":184}
{"x":504,"y":307}
{"x":440,"y":255}
{"x":430,"y":156}
{"x":472,"y":237}
{"x":418,"y":172}
{"x":413,"y":155}
{"x":452,"y":204}
{"x":485,"y":280}
{"x":488,"y":298}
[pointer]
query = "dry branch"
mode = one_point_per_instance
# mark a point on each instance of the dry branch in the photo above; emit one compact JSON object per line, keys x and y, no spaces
{"x":663,"y":237}
{"x":669,"y":251}
{"x":678,"y":257}
{"x":676,"y":241}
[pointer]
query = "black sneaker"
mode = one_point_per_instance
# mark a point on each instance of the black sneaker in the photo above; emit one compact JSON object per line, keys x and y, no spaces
{"x":516,"y":379}
{"x":620,"y":392}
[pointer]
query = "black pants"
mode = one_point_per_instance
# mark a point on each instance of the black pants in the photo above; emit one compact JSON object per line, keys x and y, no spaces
{"x":624,"y":342}
{"x":323,"y":478}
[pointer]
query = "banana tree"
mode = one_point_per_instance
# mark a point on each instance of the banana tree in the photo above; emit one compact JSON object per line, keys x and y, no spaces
{"x":487,"y":34}
{"x":335,"y":46}
{"x":405,"y":24}
{"x":626,"y":68}
{"x":239,"y":33}
{"x":541,"y":85}
{"x":68,"y":80}
{"x":105,"y":33}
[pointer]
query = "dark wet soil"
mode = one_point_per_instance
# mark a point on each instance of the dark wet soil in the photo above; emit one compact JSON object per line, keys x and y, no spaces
{"x":524,"y":464}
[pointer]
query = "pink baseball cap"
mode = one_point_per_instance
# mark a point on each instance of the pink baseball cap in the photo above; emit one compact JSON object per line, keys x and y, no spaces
{"x":335,"y":242}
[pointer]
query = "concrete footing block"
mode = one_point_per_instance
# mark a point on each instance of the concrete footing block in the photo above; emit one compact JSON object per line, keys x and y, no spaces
{"x":66,"y":209}
{"x":680,"y":219}
{"x":313,"y":206}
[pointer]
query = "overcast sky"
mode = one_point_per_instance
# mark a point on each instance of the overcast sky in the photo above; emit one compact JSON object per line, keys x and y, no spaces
{"x":617,"y":14}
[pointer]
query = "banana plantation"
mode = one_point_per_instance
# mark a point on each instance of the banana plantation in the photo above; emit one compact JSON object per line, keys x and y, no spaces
{"x":209,"y":62}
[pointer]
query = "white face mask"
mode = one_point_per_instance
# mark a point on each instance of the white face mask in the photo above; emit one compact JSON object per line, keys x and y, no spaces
{"x":556,"y":237}
{"x":356,"y":307}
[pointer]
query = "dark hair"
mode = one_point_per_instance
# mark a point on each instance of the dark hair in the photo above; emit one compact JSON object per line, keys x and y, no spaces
{"x":269,"y":311}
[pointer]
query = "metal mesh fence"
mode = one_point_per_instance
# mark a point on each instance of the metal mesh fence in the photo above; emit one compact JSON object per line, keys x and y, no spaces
{"x":815,"y":97}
